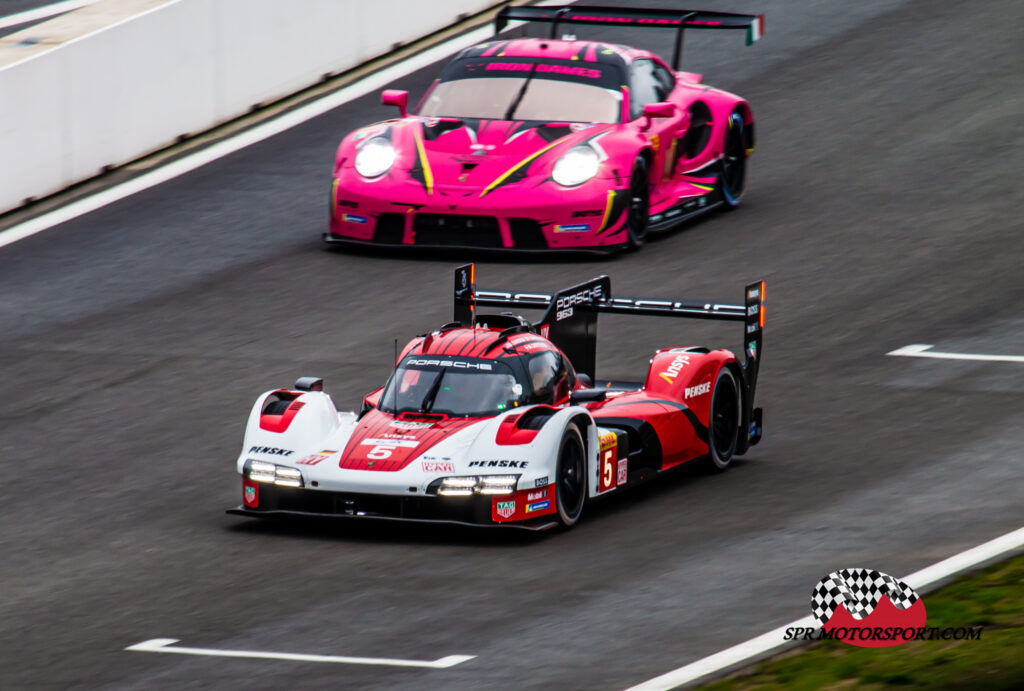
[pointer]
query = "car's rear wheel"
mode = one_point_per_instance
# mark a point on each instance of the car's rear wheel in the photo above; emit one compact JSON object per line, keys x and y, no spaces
{"x":724,"y":423}
{"x":639,"y":204}
{"x":734,"y":162}
{"x":570,"y":477}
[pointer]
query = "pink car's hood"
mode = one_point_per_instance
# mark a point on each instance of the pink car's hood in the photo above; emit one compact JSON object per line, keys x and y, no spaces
{"x":475,"y":153}
{"x":450,"y":153}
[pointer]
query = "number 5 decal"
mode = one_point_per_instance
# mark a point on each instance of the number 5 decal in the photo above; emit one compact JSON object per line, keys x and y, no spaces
{"x":608,"y":447}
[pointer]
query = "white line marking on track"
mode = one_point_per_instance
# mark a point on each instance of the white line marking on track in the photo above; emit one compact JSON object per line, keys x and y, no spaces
{"x":42,"y":12}
{"x":163,"y":645}
{"x":918,"y":350}
{"x":770,"y":641}
{"x":372,"y":82}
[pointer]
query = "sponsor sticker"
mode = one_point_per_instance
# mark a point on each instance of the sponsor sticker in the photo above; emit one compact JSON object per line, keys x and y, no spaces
{"x":270,"y":451}
{"x":672,"y":371}
{"x":541,"y":482}
{"x":609,"y":445}
{"x":409,"y":424}
{"x":251,"y":495}
{"x":572,"y":228}
{"x":438,"y":467}
{"x":699,"y":390}
{"x":534,"y":496}
{"x":457,"y":364}
{"x":505,"y":508}
{"x":353,"y":218}
{"x":406,"y":443}
{"x":623,"y":471}
{"x":314,"y":458}
{"x":539,"y":506}
{"x":498,"y":464}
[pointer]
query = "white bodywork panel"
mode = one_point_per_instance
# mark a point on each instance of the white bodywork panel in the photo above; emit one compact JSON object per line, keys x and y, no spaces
{"x":317,"y":436}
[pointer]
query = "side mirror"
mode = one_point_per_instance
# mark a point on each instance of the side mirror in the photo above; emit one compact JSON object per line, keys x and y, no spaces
{"x":309,"y":384}
{"x":370,"y":401}
{"x":580,"y":396}
{"x":394,"y":97}
{"x":662,"y":109}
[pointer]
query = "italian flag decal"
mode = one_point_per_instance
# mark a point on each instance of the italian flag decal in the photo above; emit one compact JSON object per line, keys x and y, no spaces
{"x":756,"y":29}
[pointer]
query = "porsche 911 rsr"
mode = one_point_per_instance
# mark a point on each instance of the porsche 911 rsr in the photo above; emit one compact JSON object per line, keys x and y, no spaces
{"x":549,"y":143}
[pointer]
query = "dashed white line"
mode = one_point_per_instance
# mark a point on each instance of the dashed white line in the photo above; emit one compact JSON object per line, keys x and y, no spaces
{"x":773,"y":640}
{"x":919,"y":350}
{"x":166,"y":645}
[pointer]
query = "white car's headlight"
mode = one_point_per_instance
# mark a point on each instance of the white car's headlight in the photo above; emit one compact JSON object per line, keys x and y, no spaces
{"x":576,"y":166}
{"x":261,"y":471}
{"x":375,"y":157}
{"x":464,"y":486}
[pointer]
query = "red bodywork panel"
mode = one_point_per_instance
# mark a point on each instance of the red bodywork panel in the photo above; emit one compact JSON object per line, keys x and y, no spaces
{"x":675,"y":400}
{"x":280,"y":423}
{"x":385,"y":443}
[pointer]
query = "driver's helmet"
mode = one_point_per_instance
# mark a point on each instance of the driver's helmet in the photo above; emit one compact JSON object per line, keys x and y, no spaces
{"x":545,"y":369}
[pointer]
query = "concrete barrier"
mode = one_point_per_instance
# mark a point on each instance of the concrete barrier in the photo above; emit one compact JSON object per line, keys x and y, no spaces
{"x":176,"y":68}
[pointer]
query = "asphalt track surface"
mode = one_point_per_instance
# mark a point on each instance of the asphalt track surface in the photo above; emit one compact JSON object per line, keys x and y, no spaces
{"x":883,"y":209}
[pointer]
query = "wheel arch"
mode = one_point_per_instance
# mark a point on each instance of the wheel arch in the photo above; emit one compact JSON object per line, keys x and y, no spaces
{"x":588,"y":431}
{"x":748,"y":125}
{"x":737,"y":372}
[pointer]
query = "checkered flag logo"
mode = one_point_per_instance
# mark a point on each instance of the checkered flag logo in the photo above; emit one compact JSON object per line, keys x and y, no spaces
{"x":860,"y":591}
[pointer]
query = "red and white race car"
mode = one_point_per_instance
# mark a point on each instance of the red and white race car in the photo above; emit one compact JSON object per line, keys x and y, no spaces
{"x":494,"y":420}
{"x":538,"y":144}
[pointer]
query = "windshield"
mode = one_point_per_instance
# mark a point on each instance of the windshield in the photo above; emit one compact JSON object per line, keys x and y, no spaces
{"x":526,"y":89}
{"x":458,"y":387}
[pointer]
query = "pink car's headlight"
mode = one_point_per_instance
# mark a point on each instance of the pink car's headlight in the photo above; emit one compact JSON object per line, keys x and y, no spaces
{"x":375,"y":157}
{"x":576,"y":166}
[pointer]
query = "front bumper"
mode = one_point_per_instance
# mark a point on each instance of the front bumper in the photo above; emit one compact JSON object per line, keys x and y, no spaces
{"x":590,"y":218}
{"x":276,"y":501}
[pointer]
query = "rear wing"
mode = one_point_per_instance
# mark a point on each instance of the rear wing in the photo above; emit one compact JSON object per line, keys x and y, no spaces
{"x":679,"y":20}
{"x":570,"y":318}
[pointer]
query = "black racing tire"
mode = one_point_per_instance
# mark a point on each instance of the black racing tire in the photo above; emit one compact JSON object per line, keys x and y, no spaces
{"x":639,"y":206}
{"x":734,"y":162}
{"x":570,"y":477}
{"x":724,"y":421}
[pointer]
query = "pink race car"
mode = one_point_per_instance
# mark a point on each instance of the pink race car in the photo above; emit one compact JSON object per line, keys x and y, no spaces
{"x":545,"y":144}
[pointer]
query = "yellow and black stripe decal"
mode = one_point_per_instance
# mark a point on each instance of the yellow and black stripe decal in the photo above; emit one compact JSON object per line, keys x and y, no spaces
{"x":607,"y":210}
{"x":518,"y":171}
{"x":614,"y":207}
{"x":334,"y":200}
{"x":421,"y":171}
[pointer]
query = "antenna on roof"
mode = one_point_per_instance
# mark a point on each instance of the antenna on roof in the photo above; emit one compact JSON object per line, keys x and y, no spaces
{"x":554,"y":22}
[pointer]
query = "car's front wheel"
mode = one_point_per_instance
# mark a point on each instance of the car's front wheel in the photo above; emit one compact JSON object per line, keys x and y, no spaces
{"x":639,"y":204}
{"x":570,"y":477}
{"x":734,"y":162}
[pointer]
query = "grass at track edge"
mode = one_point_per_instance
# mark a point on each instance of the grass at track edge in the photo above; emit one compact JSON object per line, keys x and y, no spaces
{"x":992,"y":598}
